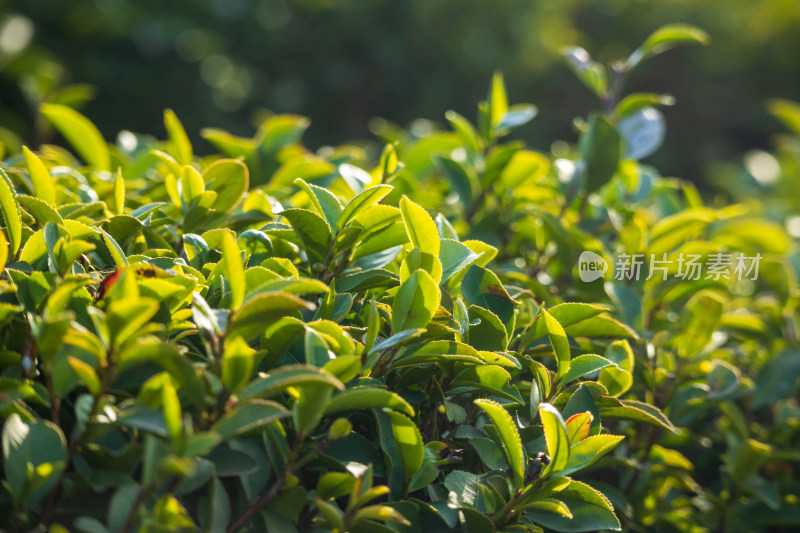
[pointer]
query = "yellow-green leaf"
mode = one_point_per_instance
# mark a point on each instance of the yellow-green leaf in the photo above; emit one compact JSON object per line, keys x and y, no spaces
{"x":234,"y":271}
{"x":181,"y":147}
{"x":43,"y":187}
{"x":555,"y":434}
{"x":10,"y":208}
{"x":421,"y":228}
{"x":512,"y":444}
{"x":81,"y":134}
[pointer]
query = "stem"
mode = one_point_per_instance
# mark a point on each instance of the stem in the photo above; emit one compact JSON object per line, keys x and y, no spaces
{"x":76,"y":441}
{"x":131,"y":514}
{"x":276,"y":487}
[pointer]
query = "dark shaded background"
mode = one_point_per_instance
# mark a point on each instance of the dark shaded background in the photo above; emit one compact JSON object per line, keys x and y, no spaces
{"x":342,"y":63}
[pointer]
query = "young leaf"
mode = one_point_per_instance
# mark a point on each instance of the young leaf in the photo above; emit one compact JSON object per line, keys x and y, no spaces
{"x":324,"y":201}
{"x":408,"y":441}
{"x":600,"y":147}
{"x":43,"y":186}
{"x":171,"y":406}
{"x":309,"y":407}
{"x":636,"y":101}
{"x":420,"y":227}
{"x":582,"y":366}
{"x":114,"y":249}
{"x":360,"y":202}
{"x":313,"y":232}
{"x":286,"y":376}
{"x":365,"y":398}
{"x":417,"y":260}
{"x":415,"y":303}
{"x":180,"y":146}
{"x":86,"y":374}
{"x":665,"y":38}
{"x":555,"y":433}
{"x":3,"y":250}
{"x":238,"y":362}
{"x":229,"y":179}
{"x":589,"y":450}
{"x":498,"y":101}
{"x":559,"y":342}
{"x":10,"y":208}
{"x":248,"y":416}
{"x":509,"y":435}
{"x":81,"y":133}
{"x":591,"y":511}
{"x":234,"y":272}
{"x":119,"y":193}
{"x":590,"y":72}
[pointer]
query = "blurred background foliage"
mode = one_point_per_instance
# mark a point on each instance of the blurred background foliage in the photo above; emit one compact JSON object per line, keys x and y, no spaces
{"x":345,"y":62}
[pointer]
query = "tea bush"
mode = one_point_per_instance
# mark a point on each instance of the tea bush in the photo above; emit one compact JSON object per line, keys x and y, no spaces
{"x":274,"y":339}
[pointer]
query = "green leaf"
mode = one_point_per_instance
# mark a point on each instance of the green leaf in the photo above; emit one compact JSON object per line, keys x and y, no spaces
{"x":127,"y":316}
{"x":643,"y":132}
{"x":420,"y":227}
{"x":416,"y":302}
{"x":600,"y":147}
{"x":119,"y":193}
{"x":589,"y":450}
{"x":171,"y":407}
{"x":360,"y":202}
{"x":584,"y":365}
{"x":238,"y":363}
{"x":287,"y":376}
{"x":258,"y":312}
{"x":590,"y":72}
{"x":10,"y":208}
{"x":555,"y":433}
{"x":248,"y":416}
{"x":86,"y":374}
{"x":636,"y":101}
{"x":616,"y":380}
{"x":776,"y":379}
{"x":31,"y":446}
{"x":559,"y":342}
{"x":454,"y":257}
{"x":234,"y":272}
{"x":489,"y":333}
{"x":417,"y":260}
{"x":465,"y":130}
{"x":41,"y":211}
{"x":334,"y":485}
{"x":665,"y":38}
{"x":324,"y":201}
{"x":229,"y":179}
{"x":114,"y":249}
{"x":81,"y":134}
{"x":43,"y":186}
{"x":498,"y":101}
{"x":365,"y":398}
{"x":787,"y":112}
{"x":525,"y":166}
{"x":509,"y":435}
{"x":634,"y":410}
{"x":591,"y":511}
{"x":180,"y":146}
{"x":313,"y":232}
{"x":482,"y":287}
{"x":462,"y":182}
{"x":408,"y":441}
{"x":309,"y":407}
